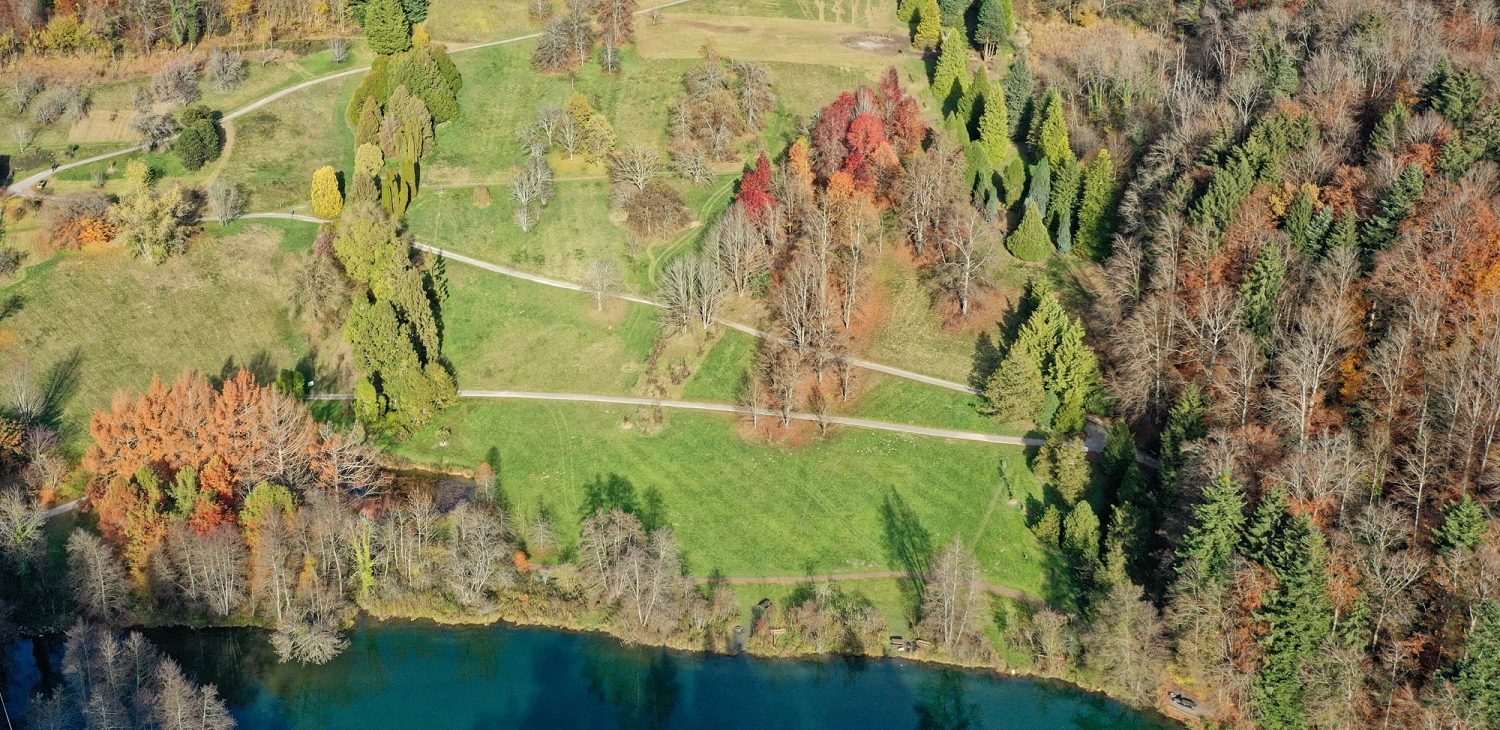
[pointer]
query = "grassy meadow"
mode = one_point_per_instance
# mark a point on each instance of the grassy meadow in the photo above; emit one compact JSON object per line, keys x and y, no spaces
{"x":857,"y":501}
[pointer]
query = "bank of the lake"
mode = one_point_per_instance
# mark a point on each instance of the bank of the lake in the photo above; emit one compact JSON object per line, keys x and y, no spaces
{"x":422,"y":675}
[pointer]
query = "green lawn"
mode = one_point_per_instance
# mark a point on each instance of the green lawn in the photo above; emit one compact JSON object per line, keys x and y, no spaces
{"x":276,"y":148}
{"x":105,"y":322}
{"x":725,"y":370}
{"x":753,"y":509}
{"x":501,"y":333}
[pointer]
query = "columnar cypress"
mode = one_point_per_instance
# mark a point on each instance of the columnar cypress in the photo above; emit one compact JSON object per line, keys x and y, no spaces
{"x":327,"y":201}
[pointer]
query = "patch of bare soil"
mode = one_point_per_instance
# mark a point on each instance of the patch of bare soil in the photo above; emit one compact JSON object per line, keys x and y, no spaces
{"x":714,"y":27}
{"x":888,"y":44}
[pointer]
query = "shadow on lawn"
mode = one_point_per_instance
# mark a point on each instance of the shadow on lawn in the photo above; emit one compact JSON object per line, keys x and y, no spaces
{"x":908,"y":547}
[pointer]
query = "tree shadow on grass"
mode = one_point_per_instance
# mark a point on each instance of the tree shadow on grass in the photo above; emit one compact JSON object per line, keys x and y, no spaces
{"x":908,"y":547}
{"x":606,"y":493}
{"x":259,"y":365}
{"x":57,"y":387}
{"x":11,"y":305}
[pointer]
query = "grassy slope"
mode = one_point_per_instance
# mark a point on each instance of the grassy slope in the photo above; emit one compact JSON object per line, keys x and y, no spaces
{"x":121,"y":321}
{"x":746,"y":508}
{"x":504,"y":333}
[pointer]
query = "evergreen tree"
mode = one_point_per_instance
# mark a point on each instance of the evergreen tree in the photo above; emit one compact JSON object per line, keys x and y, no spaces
{"x":1067,"y":183}
{"x":1455,"y":95}
{"x":994,"y":25}
{"x":1073,"y":375}
{"x":415,"y":10}
{"x":1096,"y":212}
{"x":951,"y":68}
{"x":1464,"y":526}
{"x":1269,"y":519}
{"x":929,"y":30}
{"x":386,"y":27}
{"x":1062,"y":464}
{"x":1261,"y":290}
{"x":1394,"y":208}
{"x":420,"y":74}
{"x":368,"y":130}
{"x":1029,"y":242}
{"x":1015,"y":390}
{"x":1210,"y":544}
{"x":1479,"y":671}
{"x":1299,"y":617}
{"x":1390,"y":131}
{"x":327,"y":200}
{"x":1118,"y":455}
{"x":375,"y":85}
{"x":1052,"y":131}
{"x":972,"y":103}
{"x":953,"y":12}
{"x":1298,"y":222}
{"x":1013,"y":180}
{"x":1080,"y":541}
{"x":994,"y":126}
{"x":1019,"y":88}
{"x":1185,"y":422}
{"x":1344,"y":233}
{"x":199,"y":141}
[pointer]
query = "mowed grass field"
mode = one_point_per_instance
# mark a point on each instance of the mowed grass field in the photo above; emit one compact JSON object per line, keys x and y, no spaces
{"x":109,"y":322}
{"x":502,"y":333}
{"x":845,"y":504}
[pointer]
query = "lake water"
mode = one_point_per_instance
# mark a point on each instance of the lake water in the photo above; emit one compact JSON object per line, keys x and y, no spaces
{"x":418,"y":675}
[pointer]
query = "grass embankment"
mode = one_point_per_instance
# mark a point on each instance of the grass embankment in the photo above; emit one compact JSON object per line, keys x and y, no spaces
{"x":857,"y":501}
{"x":100,"y":321}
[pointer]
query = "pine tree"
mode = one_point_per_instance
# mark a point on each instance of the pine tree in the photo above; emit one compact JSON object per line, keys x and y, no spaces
{"x":327,"y":201}
{"x":386,"y":27}
{"x":1211,"y":542}
{"x":1096,"y":212}
{"x":1185,"y":422}
{"x":995,"y":24}
{"x":951,"y":68}
{"x":1479,"y":671}
{"x":1015,"y":390}
{"x":994,"y":125}
{"x":929,"y":24}
{"x":1394,"y":207}
{"x":1260,"y":292}
{"x":1029,"y":242}
{"x":1052,"y":132}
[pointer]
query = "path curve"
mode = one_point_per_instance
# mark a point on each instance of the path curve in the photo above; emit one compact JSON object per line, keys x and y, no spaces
{"x":23,"y":187}
{"x":833,"y":420}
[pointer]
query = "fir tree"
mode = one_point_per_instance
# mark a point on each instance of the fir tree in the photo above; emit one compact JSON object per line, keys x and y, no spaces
{"x":1464,"y":526}
{"x":386,"y":27}
{"x":1029,"y":242}
{"x":416,"y":10}
{"x":1260,"y":292}
{"x":1394,"y":207}
{"x":1344,"y":233}
{"x":994,"y":124}
{"x":420,"y":74}
{"x":994,"y":25}
{"x":1018,"y":92}
{"x":1015,"y":390}
{"x":1051,"y":139}
{"x":1185,"y":422}
{"x":1269,"y":519}
{"x":972,"y":103}
{"x":1298,"y":222}
{"x":953,"y":12}
{"x":1080,"y":540}
{"x":1096,"y":212}
{"x":1210,"y":544}
{"x":951,"y":68}
{"x":1479,"y":671}
{"x":1390,"y":131}
{"x":1299,"y":617}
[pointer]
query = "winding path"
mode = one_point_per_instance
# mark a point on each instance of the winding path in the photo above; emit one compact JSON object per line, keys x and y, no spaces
{"x":25,"y":187}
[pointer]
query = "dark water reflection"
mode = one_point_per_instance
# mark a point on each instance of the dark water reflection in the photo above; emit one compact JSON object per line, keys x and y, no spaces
{"x":415,"y":675}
